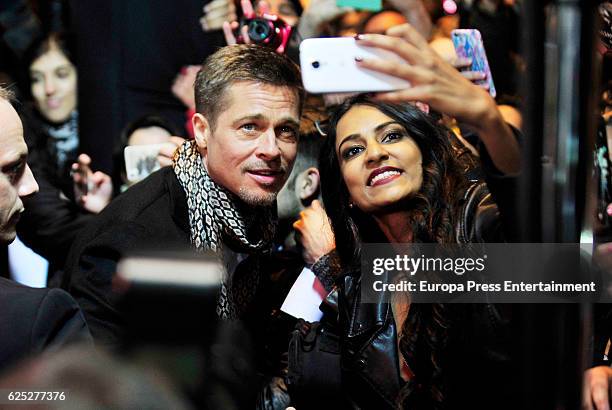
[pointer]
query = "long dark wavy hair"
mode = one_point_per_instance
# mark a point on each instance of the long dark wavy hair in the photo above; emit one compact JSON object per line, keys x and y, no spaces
{"x":433,"y":209}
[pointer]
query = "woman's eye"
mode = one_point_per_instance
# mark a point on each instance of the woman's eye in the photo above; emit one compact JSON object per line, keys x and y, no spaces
{"x":351,"y":152}
{"x":392,"y":136}
{"x":62,"y":73}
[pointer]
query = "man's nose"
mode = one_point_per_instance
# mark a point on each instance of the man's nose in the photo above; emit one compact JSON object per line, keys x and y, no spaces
{"x":27,"y":183}
{"x":267,"y":148}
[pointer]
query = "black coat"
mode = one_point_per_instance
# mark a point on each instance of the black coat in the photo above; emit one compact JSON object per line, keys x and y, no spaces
{"x":368,"y":347}
{"x":33,"y":320}
{"x":52,"y":218}
{"x":151,"y":215}
{"x":368,"y":352}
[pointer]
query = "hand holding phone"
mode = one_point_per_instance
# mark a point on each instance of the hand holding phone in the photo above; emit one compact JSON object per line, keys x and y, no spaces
{"x":216,"y":12}
{"x":261,"y":28}
{"x":317,"y":13}
{"x":439,"y":84}
{"x":433,"y":80}
{"x":329,"y":66}
{"x":469,"y":46}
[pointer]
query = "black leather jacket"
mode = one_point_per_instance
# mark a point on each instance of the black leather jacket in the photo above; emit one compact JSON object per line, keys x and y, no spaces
{"x":368,"y":336}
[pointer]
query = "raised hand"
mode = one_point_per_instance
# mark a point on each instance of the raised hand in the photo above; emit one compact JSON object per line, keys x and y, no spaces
{"x":182,"y":88}
{"x":596,"y":388}
{"x":439,"y":84}
{"x":92,"y":190}
{"x":314,"y":233}
{"x":317,"y":13}
{"x":166,"y":152}
{"x":217,"y":12}
{"x":230,"y":27}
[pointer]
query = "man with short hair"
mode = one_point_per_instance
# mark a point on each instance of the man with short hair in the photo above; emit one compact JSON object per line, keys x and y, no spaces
{"x":303,"y":223}
{"x":219,"y":194}
{"x":31,"y":320}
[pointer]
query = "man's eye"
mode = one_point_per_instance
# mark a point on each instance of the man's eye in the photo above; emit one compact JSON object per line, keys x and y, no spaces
{"x":287,"y":132}
{"x":248,"y":127}
{"x":351,"y":152}
{"x":14,"y":172}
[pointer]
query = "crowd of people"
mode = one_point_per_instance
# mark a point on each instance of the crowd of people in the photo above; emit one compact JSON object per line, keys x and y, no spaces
{"x":219,"y":152}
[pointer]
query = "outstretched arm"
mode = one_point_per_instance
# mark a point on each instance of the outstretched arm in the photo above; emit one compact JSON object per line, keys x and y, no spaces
{"x":439,"y":84}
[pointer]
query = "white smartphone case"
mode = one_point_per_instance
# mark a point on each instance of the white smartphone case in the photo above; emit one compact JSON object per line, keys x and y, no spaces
{"x":328,"y":66}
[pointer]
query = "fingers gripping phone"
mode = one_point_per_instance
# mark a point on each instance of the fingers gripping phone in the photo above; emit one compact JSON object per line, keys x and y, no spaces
{"x":468,"y":44}
{"x":328,"y":66}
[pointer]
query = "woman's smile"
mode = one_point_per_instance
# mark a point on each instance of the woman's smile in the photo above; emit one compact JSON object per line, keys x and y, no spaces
{"x":383,"y":175}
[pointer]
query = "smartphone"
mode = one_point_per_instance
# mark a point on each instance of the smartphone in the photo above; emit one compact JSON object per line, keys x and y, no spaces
{"x":328,"y":66}
{"x":370,"y":5}
{"x":141,"y":161}
{"x":468,"y":44}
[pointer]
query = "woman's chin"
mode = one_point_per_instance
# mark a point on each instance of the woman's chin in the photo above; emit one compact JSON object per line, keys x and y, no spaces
{"x":56,"y":117}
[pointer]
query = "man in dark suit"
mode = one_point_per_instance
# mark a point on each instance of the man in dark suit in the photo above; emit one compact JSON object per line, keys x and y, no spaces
{"x":31,"y":320}
{"x":219,"y":195}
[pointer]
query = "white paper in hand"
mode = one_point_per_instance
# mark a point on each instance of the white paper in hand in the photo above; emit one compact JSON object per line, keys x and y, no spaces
{"x":305,"y":296}
{"x":141,"y":161}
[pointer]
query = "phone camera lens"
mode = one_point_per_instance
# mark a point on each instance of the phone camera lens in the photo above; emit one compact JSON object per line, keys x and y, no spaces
{"x":316,"y":64}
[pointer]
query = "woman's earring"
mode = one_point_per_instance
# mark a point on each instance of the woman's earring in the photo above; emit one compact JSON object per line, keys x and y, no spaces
{"x":351,"y":204}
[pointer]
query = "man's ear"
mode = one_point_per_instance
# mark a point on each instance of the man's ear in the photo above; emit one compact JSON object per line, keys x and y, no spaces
{"x":308,"y":184}
{"x":202,"y":132}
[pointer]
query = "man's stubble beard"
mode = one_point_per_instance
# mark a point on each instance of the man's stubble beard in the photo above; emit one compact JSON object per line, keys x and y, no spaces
{"x":249,"y":198}
{"x":261,"y":198}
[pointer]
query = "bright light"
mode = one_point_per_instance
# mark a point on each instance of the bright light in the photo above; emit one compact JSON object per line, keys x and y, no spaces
{"x":449,"y":6}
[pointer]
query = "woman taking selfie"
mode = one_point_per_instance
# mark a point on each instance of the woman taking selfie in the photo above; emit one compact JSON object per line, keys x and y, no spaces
{"x":393,"y":175}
